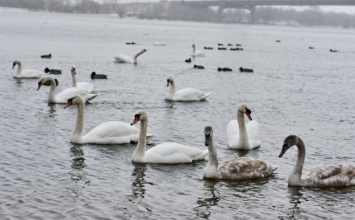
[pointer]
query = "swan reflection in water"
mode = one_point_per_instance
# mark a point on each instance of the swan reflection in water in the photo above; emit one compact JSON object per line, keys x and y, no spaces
{"x":295,"y":196}
{"x":204,"y":204}
{"x":77,"y":174}
{"x":138,"y":184}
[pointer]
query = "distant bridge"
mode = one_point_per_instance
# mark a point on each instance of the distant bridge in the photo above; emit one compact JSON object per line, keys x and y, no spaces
{"x":245,"y":4}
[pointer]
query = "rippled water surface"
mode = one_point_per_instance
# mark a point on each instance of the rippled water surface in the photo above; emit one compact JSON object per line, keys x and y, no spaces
{"x":293,"y":90}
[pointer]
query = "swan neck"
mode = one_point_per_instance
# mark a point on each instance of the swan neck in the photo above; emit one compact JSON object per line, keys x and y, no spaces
{"x":296,"y":174}
{"x":136,"y":56}
{"x":193,"y":50}
{"x":79,"y":124}
{"x":139,"y":152}
{"x":52,"y":92}
{"x":172,"y":88}
{"x":19,"y":68}
{"x":73,"y":77}
{"x":212,"y":155}
{"x":243,"y":134}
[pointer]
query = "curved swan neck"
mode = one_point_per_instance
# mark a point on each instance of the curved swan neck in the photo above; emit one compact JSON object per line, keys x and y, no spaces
{"x":135,"y":57}
{"x":193,"y":50}
{"x":243,"y":134}
{"x":73,"y":77}
{"x":295,"y":177}
{"x":139,"y":151}
{"x":79,"y":124}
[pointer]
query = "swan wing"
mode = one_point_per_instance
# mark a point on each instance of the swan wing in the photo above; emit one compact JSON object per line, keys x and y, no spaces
{"x":331,"y":175}
{"x":85,"y":85}
{"x":245,"y":168}
{"x":113,"y":132}
{"x":199,"y":54}
{"x":66,"y":94}
{"x":253,"y":133}
{"x":123,"y":59}
{"x":171,"y":152}
{"x":233,"y":133}
{"x":190,"y":94}
{"x":30,"y":74}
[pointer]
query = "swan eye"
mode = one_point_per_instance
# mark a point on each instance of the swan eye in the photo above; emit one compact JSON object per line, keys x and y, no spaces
{"x":247,"y":111}
{"x":137,"y":116}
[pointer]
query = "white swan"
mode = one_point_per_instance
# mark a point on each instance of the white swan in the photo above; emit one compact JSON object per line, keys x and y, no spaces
{"x":168,"y":153}
{"x":128,"y":59}
{"x":26,"y":74}
{"x":328,"y":175}
{"x":64,"y":95}
{"x":197,"y":53}
{"x":84,"y":85}
{"x":111,"y":132}
{"x":184,"y":95}
{"x":240,"y":135}
{"x":234,"y":169}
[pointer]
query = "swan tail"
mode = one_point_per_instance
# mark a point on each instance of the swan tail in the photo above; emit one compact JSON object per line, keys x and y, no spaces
{"x":201,"y":156}
{"x":91,"y":96}
{"x":150,"y":136}
{"x":206,"y":95}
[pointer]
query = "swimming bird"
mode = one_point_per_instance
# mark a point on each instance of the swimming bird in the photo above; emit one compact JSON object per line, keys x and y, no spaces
{"x":328,"y":175}
{"x":241,"y":69}
{"x":199,"y":67}
{"x":84,"y":85}
{"x":237,"y":168}
{"x":184,"y":95}
{"x":52,"y":71}
{"x":26,"y":74}
{"x":130,"y":43}
{"x":166,"y":153}
{"x":197,"y":53}
{"x":240,"y":135}
{"x":224,"y":69}
{"x":128,"y":59}
{"x":188,"y":60}
{"x":64,"y":95}
{"x":48,"y":56}
{"x":208,"y":48}
{"x":94,"y":75}
{"x":111,"y":132}
{"x":334,"y":51}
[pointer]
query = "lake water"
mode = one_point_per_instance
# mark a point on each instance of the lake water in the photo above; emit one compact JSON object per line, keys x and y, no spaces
{"x":293,"y":90}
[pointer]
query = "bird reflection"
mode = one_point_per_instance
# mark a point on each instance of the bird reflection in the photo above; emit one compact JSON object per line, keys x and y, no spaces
{"x":138,"y":185}
{"x":295,"y":197}
{"x":52,"y":109}
{"x":204,"y":204}
{"x":78,"y":157}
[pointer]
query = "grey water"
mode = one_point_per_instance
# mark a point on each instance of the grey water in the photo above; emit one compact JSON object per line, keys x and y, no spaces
{"x":293,"y":90}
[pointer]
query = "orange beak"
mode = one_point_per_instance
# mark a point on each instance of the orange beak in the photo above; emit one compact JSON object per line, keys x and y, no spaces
{"x":69,"y":103}
{"x":136,"y":119}
{"x":249,"y":116}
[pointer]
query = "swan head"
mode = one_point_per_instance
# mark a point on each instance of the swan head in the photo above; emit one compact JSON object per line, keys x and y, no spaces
{"x":73,"y":70}
{"x":208,"y":135}
{"x":47,"y":81}
{"x":16,"y":62}
{"x":139,"y":116}
{"x":244,"y":108}
{"x":290,"y":141}
{"x":193,"y":46}
{"x":143,"y":51}
{"x":74,"y":100}
{"x":169,"y":81}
